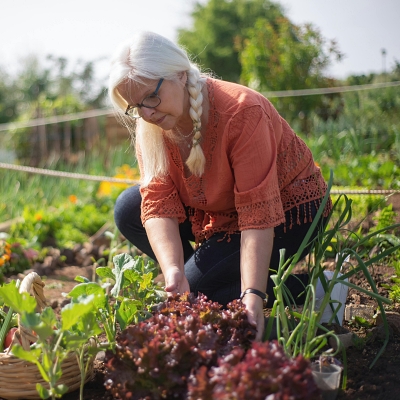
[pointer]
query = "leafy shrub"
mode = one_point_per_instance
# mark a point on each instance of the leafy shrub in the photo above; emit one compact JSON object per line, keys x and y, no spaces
{"x":128,"y":301}
{"x":361,"y":204}
{"x":386,"y":218}
{"x":394,"y":293}
{"x":155,"y":358}
{"x":371,"y":170}
{"x":66,"y":225}
{"x":14,"y":258}
{"x":262,"y":372}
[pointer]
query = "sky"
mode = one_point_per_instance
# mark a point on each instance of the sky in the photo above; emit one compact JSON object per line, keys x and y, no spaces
{"x":91,"y":29}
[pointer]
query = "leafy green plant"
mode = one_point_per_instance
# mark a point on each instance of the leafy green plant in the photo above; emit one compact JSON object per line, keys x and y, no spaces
{"x":386,"y":218}
{"x":130,"y":298}
{"x":385,"y":231}
{"x":394,"y":289}
{"x":65,"y":225}
{"x":362,"y":205}
{"x":394,"y":294}
{"x":8,"y":320}
{"x":55,"y":339}
{"x":20,"y":189}
{"x":297,"y":333}
{"x":91,"y":312}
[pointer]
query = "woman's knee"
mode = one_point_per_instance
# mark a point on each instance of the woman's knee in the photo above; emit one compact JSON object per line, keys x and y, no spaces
{"x":127,"y":206}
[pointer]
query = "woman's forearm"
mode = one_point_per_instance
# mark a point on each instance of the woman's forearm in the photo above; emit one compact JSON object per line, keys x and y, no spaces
{"x":255,"y":255}
{"x":164,"y":237}
{"x":165,"y":240}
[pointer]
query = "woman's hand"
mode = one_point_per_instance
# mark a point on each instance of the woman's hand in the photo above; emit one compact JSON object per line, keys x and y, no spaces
{"x":255,"y":313}
{"x":165,"y":240}
{"x":175,"y":281}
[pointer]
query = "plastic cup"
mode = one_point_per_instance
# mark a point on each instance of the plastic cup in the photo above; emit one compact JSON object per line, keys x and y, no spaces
{"x":327,"y":379}
{"x":339,"y":293}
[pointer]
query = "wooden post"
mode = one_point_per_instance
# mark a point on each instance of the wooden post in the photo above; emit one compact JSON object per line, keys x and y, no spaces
{"x":56,"y":146}
{"x":95,"y":131}
{"x":67,"y":140}
{"x":78,"y":138}
{"x":87,"y":134}
{"x":42,"y":140}
{"x":34,"y":147}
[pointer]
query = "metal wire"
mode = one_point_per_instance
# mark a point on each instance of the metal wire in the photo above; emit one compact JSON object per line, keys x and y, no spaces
{"x":70,"y":175}
{"x":341,"y":89}
{"x":73,"y":175}
{"x":55,"y":119}
{"x":282,"y":93}
{"x":101,"y":112}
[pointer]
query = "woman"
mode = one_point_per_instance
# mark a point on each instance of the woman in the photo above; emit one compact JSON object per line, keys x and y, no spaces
{"x":219,"y":167}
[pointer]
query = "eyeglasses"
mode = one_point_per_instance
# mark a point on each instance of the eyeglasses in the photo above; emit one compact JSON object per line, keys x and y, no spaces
{"x":151,"y":101}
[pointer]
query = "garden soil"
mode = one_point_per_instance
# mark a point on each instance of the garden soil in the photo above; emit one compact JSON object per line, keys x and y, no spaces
{"x":382,"y":381}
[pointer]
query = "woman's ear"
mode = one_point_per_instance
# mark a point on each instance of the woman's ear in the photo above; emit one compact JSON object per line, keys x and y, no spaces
{"x":183,"y":77}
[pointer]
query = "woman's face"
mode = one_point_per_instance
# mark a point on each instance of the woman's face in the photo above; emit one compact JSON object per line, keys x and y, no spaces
{"x":174,"y":97}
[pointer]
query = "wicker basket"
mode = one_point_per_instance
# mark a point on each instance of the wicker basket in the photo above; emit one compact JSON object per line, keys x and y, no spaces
{"x":18,"y":378}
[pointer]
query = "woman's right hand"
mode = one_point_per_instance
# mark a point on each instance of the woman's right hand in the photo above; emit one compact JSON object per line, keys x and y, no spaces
{"x":176,"y":282}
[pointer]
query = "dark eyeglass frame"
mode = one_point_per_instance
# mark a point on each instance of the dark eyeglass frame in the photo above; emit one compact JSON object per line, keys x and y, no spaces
{"x":154,"y":94}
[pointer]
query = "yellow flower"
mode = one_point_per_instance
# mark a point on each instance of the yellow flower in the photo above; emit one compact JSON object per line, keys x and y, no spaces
{"x":123,"y":172}
{"x":38,"y":217}
{"x":4,"y":258}
{"x":73,"y":199}
{"x":104,"y":189}
{"x":7,"y":248}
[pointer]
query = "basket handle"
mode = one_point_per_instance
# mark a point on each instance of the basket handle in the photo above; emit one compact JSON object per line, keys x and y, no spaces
{"x":32,"y":283}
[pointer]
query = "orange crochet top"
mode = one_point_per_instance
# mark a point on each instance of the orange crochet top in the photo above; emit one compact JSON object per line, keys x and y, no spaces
{"x":256,"y":169}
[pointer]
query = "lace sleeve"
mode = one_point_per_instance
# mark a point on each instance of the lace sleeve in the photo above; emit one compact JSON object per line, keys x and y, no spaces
{"x":253,"y":154}
{"x":160,"y":198}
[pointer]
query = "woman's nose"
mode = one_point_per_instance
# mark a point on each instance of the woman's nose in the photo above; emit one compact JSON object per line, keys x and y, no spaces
{"x":146,"y":113}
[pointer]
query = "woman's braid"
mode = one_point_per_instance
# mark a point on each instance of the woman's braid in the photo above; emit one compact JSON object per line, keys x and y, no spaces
{"x":196,"y":160}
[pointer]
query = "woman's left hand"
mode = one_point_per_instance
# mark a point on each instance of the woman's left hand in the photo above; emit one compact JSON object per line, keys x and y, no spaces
{"x":255,"y":313}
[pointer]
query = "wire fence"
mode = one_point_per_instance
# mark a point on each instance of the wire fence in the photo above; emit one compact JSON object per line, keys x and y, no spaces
{"x":43,"y":142}
{"x":107,"y":111}
{"x":99,"y":178}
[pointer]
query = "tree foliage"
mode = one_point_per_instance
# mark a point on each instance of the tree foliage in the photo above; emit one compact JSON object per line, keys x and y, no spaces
{"x":218,"y":27}
{"x":45,"y":88}
{"x":285,"y":56}
{"x":253,"y":42}
{"x":8,"y":98}
{"x":49,"y":84}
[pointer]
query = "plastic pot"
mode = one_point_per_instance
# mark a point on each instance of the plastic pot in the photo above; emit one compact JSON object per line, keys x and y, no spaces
{"x":327,"y":379}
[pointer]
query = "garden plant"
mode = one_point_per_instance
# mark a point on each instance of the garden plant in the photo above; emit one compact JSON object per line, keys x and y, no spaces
{"x":94,"y":310}
{"x":119,"y":305}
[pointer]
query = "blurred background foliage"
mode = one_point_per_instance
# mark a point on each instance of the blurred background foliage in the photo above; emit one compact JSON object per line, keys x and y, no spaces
{"x":252,"y":42}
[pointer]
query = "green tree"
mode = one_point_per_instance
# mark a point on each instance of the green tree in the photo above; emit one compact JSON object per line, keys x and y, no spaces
{"x":219,"y":26}
{"x":280,"y":55}
{"x":254,"y":43}
{"x":8,"y":98}
{"x":50,"y":79}
{"x":45,"y":88}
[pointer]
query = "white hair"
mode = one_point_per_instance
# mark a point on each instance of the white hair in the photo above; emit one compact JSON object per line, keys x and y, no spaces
{"x":151,"y":56}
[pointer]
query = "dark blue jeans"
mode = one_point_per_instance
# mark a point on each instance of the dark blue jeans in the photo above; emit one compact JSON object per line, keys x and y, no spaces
{"x":214,"y":268}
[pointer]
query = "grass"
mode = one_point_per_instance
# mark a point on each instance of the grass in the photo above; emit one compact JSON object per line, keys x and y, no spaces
{"x":19,"y":189}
